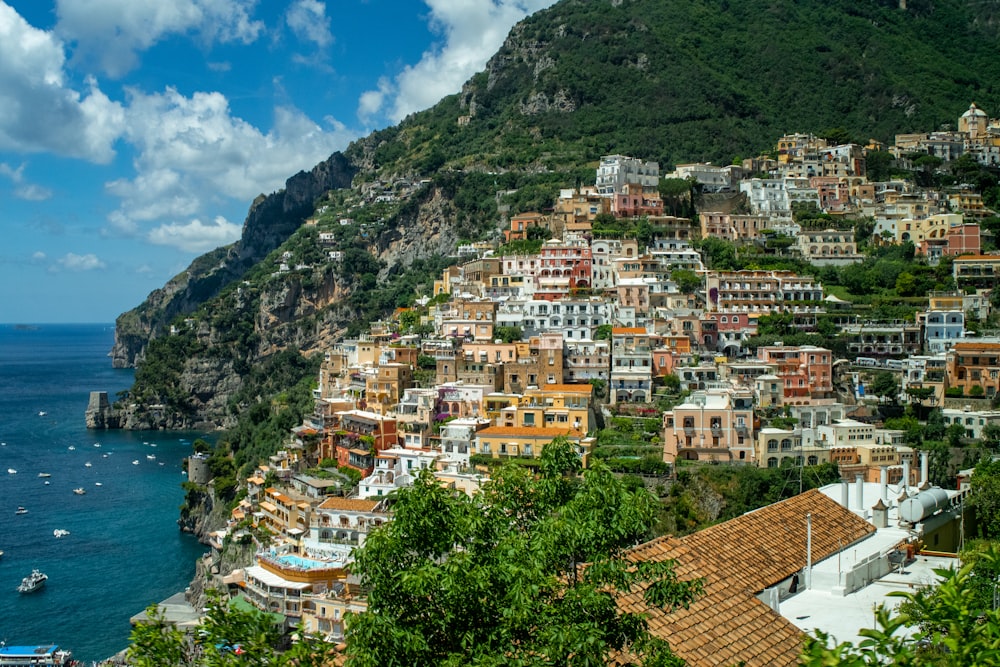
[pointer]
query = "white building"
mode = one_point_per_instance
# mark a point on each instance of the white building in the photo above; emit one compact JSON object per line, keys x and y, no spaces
{"x":616,"y":171}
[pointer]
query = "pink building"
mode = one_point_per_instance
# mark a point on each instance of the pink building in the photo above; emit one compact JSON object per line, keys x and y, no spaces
{"x":711,"y":425}
{"x":731,"y":227}
{"x":566,"y":259}
{"x":633,"y":201}
{"x":805,"y":373}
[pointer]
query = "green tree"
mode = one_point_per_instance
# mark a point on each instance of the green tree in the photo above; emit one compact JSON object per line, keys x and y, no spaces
{"x":984,"y":498}
{"x":521,"y":574}
{"x":885,"y":385}
{"x":508,"y":334}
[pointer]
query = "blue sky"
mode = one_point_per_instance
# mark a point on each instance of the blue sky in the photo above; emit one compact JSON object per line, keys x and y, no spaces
{"x":135,"y":133}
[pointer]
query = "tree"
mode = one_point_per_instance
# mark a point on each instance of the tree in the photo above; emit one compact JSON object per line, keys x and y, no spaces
{"x":225,"y":636}
{"x":984,"y":498}
{"x":954,"y":626}
{"x":884,"y":384}
{"x":687,"y":280}
{"x":521,"y":574}
{"x":508,"y":334}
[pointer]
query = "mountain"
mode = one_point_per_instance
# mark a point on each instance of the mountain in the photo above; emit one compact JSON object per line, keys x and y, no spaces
{"x":667,"y":80}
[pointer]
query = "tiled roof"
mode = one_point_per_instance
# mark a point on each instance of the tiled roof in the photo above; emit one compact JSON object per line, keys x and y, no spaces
{"x":349,"y":504}
{"x":737,"y":559}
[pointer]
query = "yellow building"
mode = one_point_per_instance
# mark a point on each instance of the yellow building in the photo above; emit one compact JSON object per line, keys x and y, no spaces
{"x":551,"y":406}
{"x":526,"y":442}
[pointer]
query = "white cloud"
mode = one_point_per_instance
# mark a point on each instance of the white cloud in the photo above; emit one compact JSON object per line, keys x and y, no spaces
{"x":371,"y":101}
{"x":88,"y":262}
{"x":309,"y":22}
{"x":39,"y":112}
{"x":196,"y":236}
{"x":191,"y":152}
{"x":111,"y":33}
{"x":38,"y":256}
{"x":26,"y":191}
{"x":473,"y":30}
{"x":31,"y":192}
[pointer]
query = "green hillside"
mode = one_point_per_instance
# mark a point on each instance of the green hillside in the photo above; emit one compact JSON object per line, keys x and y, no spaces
{"x":690,"y":80}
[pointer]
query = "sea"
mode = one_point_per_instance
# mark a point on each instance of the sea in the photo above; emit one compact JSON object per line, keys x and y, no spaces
{"x":124,"y":550}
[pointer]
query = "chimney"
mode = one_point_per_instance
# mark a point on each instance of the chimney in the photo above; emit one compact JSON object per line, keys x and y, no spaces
{"x":845,"y":494}
{"x":880,"y":514}
{"x":924,"y":468}
{"x":859,"y":491}
{"x":883,"y":481}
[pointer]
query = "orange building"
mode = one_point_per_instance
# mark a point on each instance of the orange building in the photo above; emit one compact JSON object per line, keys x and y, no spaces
{"x":973,"y":364}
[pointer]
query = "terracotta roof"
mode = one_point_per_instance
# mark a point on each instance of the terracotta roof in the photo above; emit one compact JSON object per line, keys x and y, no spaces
{"x":727,"y":624}
{"x":564,"y":388}
{"x":628,"y":330}
{"x":975,"y":345}
{"x":349,"y":504}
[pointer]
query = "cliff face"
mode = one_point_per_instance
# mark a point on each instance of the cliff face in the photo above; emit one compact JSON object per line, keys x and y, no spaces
{"x":270,"y":221}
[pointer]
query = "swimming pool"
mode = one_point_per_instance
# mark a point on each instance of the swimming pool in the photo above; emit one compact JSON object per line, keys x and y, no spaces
{"x":291,"y":560}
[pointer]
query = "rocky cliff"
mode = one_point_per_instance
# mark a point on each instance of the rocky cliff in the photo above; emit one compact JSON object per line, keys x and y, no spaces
{"x":270,"y":221}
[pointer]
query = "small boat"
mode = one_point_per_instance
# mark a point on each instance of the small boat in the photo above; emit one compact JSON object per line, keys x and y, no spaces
{"x":59,"y":532}
{"x":151,"y":457}
{"x":97,"y":444}
{"x":71,"y":448}
{"x":42,"y":413}
{"x":32,"y":582}
{"x":98,"y":484}
{"x":104,"y":456}
{"x":11,"y":471}
{"x":87,"y":464}
{"x":136,"y":462}
{"x":44,"y":474}
{"x":20,"y":510}
{"x":80,"y":491}
{"x":46,"y":482}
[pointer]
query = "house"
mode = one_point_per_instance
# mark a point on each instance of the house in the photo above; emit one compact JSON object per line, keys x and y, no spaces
{"x":805,"y":373}
{"x":974,"y":367}
{"x":614,"y":172}
{"x":527,"y":442}
{"x":710,"y":425}
{"x":346,"y":520}
{"x":631,"y":365}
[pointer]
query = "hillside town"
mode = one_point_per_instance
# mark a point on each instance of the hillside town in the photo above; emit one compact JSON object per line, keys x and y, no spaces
{"x":612,"y":318}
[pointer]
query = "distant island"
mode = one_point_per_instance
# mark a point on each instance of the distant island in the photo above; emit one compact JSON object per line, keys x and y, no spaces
{"x":25,"y":327}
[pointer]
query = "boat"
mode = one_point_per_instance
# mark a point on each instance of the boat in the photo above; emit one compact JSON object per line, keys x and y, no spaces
{"x":151,"y":457}
{"x":42,"y":413}
{"x":32,"y":582}
{"x":98,"y":484}
{"x":97,"y":444}
{"x":11,"y":471}
{"x":87,"y":464}
{"x":79,"y":491}
{"x":44,"y":474}
{"x":59,"y":532}
{"x":136,"y":462}
{"x":71,"y":448}
{"x":20,"y":510}
{"x":46,"y":482}
{"x":45,"y":655}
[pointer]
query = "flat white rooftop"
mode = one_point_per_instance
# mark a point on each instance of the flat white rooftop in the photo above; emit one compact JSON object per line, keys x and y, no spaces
{"x":842,"y":616}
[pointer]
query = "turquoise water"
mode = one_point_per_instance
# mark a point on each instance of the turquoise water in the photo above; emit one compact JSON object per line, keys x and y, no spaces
{"x":124,"y":550}
{"x":300,"y":562}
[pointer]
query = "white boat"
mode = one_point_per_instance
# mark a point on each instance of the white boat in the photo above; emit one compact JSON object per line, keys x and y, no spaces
{"x":80,"y":491}
{"x":87,"y":464}
{"x":11,"y":471}
{"x":136,"y":462}
{"x":42,"y":413}
{"x":44,"y":655}
{"x":71,"y":448}
{"x":44,"y":474}
{"x":46,"y":482}
{"x":151,"y":457}
{"x":59,"y":532}
{"x":97,"y":444}
{"x":32,"y":582}
{"x":98,"y":484}
{"x":20,"y":510}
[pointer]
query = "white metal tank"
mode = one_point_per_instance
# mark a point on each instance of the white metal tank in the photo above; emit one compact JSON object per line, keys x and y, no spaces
{"x":924,"y":504}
